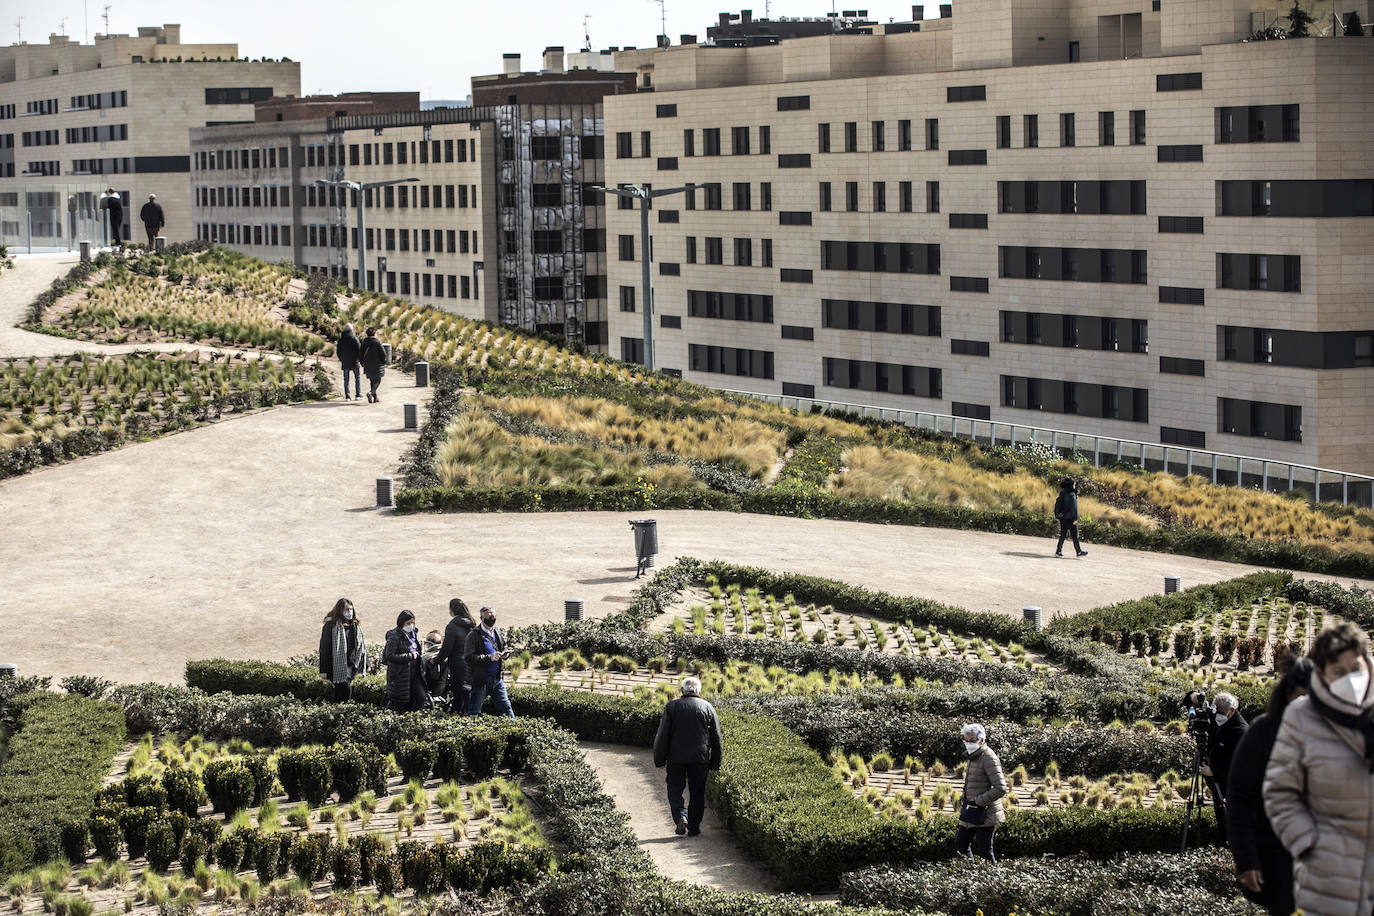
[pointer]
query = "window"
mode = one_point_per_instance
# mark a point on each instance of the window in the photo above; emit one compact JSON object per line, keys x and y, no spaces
{"x":823,"y":138}
{"x":1177,"y":82}
{"x":904,"y":135}
{"x":794,"y":102}
{"x":794,"y":161}
{"x":765,"y":252}
{"x":544,"y":148}
{"x":669,"y":269}
{"x":970,"y":348}
{"x":796,"y":332}
{"x":966,"y":93}
{"x":546,"y":195}
{"x":1030,"y":125}
{"x":670,"y":321}
{"x":689,"y":143}
{"x":627,"y":247}
{"x":1079,"y":197}
{"x":851,"y":136}
{"x":756,"y":307}
{"x":667,"y":163}
{"x":645,"y":139}
{"x":714,"y":251}
{"x":1138,"y":127}
{"x":765,"y":195}
{"x":1259,"y":419}
{"x":1106,"y":128}
{"x":1275,"y":272}
{"x":879,"y":196}
{"x":968,"y":221}
{"x":1302,"y":198}
{"x":1068,"y":134}
{"x":851,"y":196}
{"x":932,"y":197}
{"x":794,"y":218}
{"x":1080,"y":398}
{"x":794,"y":275}
{"x":1003,"y":131}
{"x":627,"y":298}
{"x":1298,"y":349}
{"x":547,"y":241}
{"x":744,"y":252}
{"x":932,"y":133}
{"x":730,"y":361}
{"x":632,"y":349}
{"x":1188,"y":224}
{"x":668,"y":216}
{"x":968,"y":157}
{"x":798,"y":390}
{"x":739,"y":141}
{"x":881,"y":257}
{"x":1190,"y":438}
{"x":1184,"y":152}
{"x":974,"y":411}
{"x":710,"y":141}
{"x":765,"y":140}
{"x":881,"y":317}
{"x":712,"y":196}
{"x":742,"y":199}
{"x":1174,"y":365}
{"x":665,"y":111}
{"x":968,"y":284}
{"x":1181,"y":295}
{"x":879,"y":129}
{"x":1259,"y":124}
{"x":624,"y":148}
{"x":546,"y":288}
{"x":824,"y":196}
{"x":893,"y":378}
{"x":236,"y":96}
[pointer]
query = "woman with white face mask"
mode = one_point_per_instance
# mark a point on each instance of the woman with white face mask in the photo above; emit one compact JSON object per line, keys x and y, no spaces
{"x":343,"y":653}
{"x":1319,"y":785}
{"x":981,"y":806}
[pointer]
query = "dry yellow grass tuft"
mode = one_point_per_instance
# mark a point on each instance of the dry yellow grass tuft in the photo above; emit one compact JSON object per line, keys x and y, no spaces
{"x":873,"y":472}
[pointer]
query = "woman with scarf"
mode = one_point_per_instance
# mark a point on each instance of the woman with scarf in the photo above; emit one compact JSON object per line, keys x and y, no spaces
{"x":343,"y":653}
{"x":1319,"y":785}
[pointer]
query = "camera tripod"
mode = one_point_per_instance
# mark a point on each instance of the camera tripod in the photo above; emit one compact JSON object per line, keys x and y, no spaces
{"x":1195,"y":800}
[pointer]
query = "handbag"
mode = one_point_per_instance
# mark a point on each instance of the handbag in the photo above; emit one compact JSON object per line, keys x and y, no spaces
{"x":973,"y":814}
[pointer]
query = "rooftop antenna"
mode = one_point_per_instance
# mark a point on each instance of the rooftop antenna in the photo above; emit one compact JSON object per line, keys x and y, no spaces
{"x":106,"y":16}
{"x":62,"y":26}
{"x":86,"y":21}
{"x":662,"y":15}
{"x":19,"y":28}
{"x":587,"y":32}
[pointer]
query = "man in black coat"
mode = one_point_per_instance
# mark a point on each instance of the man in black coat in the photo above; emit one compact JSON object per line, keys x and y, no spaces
{"x":373,"y":358}
{"x":1228,"y":728}
{"x":688,"y":743}
{"x":347,"y":350}
{"x":113,"y":205}
{"x":451,"y":654}
{"x":483,"y":652}
{"x":152,"y":218}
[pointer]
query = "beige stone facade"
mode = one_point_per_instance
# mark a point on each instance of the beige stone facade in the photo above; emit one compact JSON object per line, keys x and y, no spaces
{"x":117,"y":112}
{"x":1073,"y":215}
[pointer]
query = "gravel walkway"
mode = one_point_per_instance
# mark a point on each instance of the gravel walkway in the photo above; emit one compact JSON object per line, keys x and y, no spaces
{"x":713,"y":859}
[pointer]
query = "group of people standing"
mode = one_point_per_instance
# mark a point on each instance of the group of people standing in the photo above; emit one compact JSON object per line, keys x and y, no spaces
{"x":458,"y":669}
{"x":369,"y":354}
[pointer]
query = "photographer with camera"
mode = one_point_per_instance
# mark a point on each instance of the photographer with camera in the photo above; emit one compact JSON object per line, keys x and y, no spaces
{"x":1225,"y":731}
{"x":1263,"y":866}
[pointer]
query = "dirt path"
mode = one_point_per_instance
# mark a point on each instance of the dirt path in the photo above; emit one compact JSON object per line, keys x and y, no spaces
{"x":713,"y":859}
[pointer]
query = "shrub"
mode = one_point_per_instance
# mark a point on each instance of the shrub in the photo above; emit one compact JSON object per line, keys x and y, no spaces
{"x":105,"y":833}
{"x":193,"y":851}
{"x":316,"y":778}
{"x":386,"y":874}
{"x":135,"y":823}
{"x":182,"y":788}
{"x":144,"y":792}
{"x":1179,"y":607}
{"x":232,"y":788}
{"x":266,"y":859}
{"x":305,"y":858}
{"x":162,"y":846}
{"x":346,"y":866}
{"x":421,"y":867}
{"x":289,"y":766}
{"x":482,"y":751}
{"x":448,"y":758}
{"x":415,"y":758}
{"x":229,"y":852}
{"x":349,"y":772}
{"x":369,"y":847}
{"x":76,"y":840}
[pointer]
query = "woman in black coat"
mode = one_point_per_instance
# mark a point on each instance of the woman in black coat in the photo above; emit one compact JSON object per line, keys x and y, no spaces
{"x":451,"y":655}
{"x":347,"y":350}
{"x":1263,"y":866}
{"x":343,"y":651}
{"x":405,"y":688}
{"x":373,"y":358}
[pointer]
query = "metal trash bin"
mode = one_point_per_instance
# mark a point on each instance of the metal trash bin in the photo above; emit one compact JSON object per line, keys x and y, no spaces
{"x":574,"y":609}
{"x":422,"y":375}
{"x":1034,"y":616}
{"x":1173,"y":584}
{"x":412,"y":415}
{"x":384,"y":492}
{"x":646,"y":543}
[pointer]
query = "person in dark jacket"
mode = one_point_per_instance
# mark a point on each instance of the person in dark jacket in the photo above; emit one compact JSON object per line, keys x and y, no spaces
{"x":1264,"y":868}
{"x":373,"y":358}
{"x":688,"y":743}
{"x":405,"y":688}
{"x":451,"y":654}
{"x":347,"y":350}
{"x":483,"y":652}
{"x":152,"y":218}
{"x":343,"y":652}
{"x":1066,"y":510}
{"x":1227,"y":730}
{"x":430,"y":669}
{"x":113,"y":205}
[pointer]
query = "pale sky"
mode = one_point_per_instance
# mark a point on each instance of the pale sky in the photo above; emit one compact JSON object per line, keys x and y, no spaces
{"x":432,"y":47}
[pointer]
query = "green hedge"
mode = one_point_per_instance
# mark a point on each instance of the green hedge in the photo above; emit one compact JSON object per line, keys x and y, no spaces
{"x":1167,"y":610}
{"x":1354,"y":604}
{"x":62,"y":749}
{"x":273,"y":679}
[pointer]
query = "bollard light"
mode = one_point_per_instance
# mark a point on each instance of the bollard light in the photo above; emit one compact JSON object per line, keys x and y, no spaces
{"x":574,"y":608}
{"x":422,"y":375}
{"x":384,"y":493}
{"x":1034,"y":616}
{"x":412,"y":413}
{"x":1172,"y":584}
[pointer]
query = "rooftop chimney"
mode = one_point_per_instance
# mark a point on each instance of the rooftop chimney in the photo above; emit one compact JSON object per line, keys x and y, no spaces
{"x":553,"y":59}
{"x":946,"y":10}
{"x":725,"y":19}
{"x":510,"y":63}
{"x":746,"y":17}
{"x":664,"y":41}
{"x":918,"y":13}
{"x":687,"y":39}
{"x":171,"y":34}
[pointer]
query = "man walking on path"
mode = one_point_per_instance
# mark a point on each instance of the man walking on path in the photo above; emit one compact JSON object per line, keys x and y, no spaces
{"x":153,"y":221}
{"x":347,"y":350}
{"x":113,"y":206}
{"x":1066,"y":510}
{"x":689,"y":744}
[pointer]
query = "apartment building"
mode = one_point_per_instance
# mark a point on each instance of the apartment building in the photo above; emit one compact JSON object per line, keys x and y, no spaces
{"x":114,"y":113}
{"x":1111,"y":217}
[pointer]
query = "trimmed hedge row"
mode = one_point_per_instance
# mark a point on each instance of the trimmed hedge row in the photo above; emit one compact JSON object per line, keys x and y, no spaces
{"x":61,"y":751}
{"x":1167,"y":610}
{"x":1353,"y":604}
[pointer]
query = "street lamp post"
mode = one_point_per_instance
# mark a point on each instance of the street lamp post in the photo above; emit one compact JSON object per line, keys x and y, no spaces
{"x":361,"y":189}
{"x":645,"y":195}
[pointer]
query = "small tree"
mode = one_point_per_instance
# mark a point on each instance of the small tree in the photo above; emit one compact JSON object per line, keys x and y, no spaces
{"x":1353,"y":26}
{"x":1298,"y":21}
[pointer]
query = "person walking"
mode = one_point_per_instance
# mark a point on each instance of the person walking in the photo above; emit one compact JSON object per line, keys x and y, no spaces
{"x":347,"y":350}
{"x":1227,"y":728}
{"x":984,"y":786}
{"x":113,"y":205}
{"x":451,"y":654}
{"x":343,"y":652}
{"x":373,"y":358}
{"x":484,"y":651}
{"x":689,"y":744}
{"x":152,"y":218}
{"x":1066,"y":510}
{"x":405,"y":689}
{"x":1319,"y":784}
{"x":1263,"y":867}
